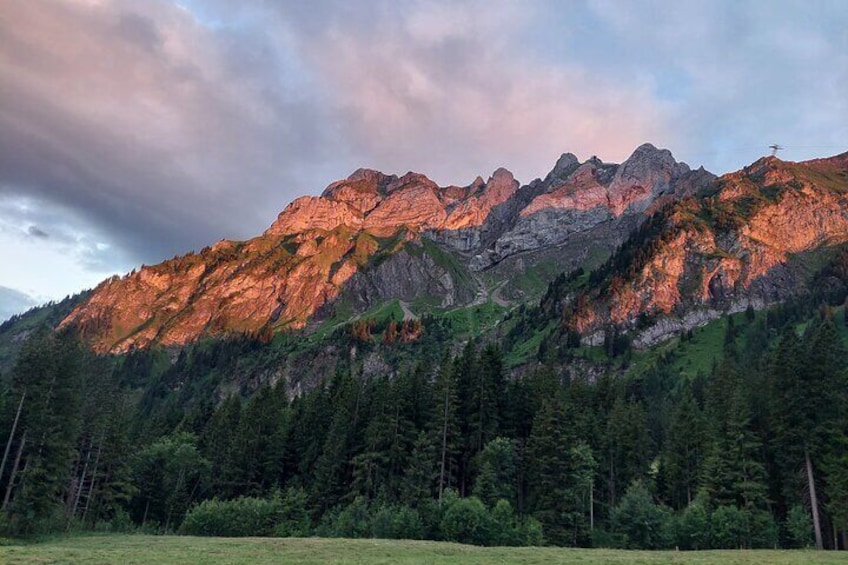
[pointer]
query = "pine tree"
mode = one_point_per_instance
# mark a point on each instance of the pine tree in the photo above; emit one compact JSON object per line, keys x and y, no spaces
{"x":446,"y":429}
{"x":496,"y":475}
{"x":627,"y":453}
{"x":421,"y":473}
{"x":331,"y":473}
{"x":684,"y":452}
{"x":50,"y":369}
{"x":559,"y":477}
{"x":734,"y":473}
{"x":804,"y":414}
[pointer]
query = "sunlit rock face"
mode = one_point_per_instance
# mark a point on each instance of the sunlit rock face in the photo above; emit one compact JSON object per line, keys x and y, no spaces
{"x":743,"y":243}
{"x":371,"y":237}
{"x":575,"y":198}
{"x":301,"y":263}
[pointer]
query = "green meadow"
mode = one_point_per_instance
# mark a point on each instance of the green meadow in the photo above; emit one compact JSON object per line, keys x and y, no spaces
{"x":141,"y":549}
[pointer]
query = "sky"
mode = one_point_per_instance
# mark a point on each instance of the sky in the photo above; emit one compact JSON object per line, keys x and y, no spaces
{"x":133,"y":131}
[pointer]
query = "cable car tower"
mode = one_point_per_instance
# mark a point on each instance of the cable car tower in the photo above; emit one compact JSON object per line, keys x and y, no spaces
{"x":775,"y":148}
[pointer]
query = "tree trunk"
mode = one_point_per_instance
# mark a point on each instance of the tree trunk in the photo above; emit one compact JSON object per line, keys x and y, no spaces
{"x":93,"y":479}
{"x":612,"y":482}
{"x":444,"y":447}
{"x":12,"y":435}
{"x":592,"y":506}
{"x":146,"y":509}
{"x":14,"y":471}
{"x":814,"y":502}
{"x":81,"y":485}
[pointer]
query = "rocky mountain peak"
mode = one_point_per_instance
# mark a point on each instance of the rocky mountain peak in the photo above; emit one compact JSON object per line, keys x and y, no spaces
{"x":647,"y":174}
{"x":362,"y":190}
{"x":318,"y":243}
{"x":501,"y":185}
{"x":564,"y":166}
{"x":647,"y":158}
{"x":480,"y":198}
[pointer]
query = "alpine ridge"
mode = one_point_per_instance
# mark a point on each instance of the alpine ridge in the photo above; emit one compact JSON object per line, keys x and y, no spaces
{"x":714,"y":244}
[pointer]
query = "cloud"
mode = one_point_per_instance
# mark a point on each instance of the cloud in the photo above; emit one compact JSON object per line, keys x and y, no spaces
{"x":35,"y":231}
{"x":14,"y":302}
{"x":755,"y":74}
{"x":75,"y":254}
{"x":162,"y":132}
{"x":134,"y":131}
{"x":448,"y":88}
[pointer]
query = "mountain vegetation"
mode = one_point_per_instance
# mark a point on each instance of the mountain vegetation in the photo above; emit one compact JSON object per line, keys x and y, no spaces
{"x":673,"y":376}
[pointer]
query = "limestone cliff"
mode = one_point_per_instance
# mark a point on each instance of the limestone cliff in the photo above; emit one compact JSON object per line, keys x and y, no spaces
{"x":372,"y":237}
{"x":745,"y":242}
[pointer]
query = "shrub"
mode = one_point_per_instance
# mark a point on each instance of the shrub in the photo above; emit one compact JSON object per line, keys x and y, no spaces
{"x":644,"y":524}
{"x":352,"y":521}
{"x":531,"y":532}
{"x":232,"y":518}
{"x":692,"y":528}
{"x":736,"y":528}
{"x":397,"y":522}
{"x":293,"y":516}
{"x":799,"y":527}
{"x":466,"y":520}
{"x":728,"y":528}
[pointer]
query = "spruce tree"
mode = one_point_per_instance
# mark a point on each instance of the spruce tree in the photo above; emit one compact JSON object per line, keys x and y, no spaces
{"x":684,"y":452}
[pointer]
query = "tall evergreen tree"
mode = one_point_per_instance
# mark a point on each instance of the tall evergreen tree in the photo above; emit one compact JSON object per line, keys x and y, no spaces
{"x":684,"y":452}
{"x":50,"y":370}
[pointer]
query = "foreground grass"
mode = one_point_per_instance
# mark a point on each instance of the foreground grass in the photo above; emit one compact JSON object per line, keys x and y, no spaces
{"x":132,"y":549}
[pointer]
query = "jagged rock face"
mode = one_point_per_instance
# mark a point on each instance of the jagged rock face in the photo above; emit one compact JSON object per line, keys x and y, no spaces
{"x":473,"y":209}
{"x":734,"y":248}
{"x":576,"y":197}
{"x":299,"y":265}
{"x":406,"y":276}
{"x":266,"y":283}
{"x":310,"y":212}
{"x":321,"y":247}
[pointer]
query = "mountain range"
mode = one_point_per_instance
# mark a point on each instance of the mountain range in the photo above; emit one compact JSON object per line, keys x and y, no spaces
{"x":716,"y":245}
{"x":568,"y":346}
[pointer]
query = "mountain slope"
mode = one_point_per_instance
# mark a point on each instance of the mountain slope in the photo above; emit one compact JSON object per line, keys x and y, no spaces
{"x":754,"y":239}
{"x":280,"y":279}
{"x":701,"y":246}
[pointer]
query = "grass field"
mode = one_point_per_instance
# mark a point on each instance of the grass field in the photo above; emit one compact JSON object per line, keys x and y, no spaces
{"x":132,"y":549}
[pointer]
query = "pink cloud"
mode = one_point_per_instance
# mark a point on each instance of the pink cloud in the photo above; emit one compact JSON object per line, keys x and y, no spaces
{"x":447,"y":89}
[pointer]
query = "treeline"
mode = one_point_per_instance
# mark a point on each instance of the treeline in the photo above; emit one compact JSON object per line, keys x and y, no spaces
{"x":753,"y":454}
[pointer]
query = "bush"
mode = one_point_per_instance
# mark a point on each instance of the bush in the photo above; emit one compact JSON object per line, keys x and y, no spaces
{"x":692,"y":528}
{"x":531,"y":532}
{"x":293,"y":517}
{"x":728,"y":528}
{"x":505,"y":530}
{"x":736,"y":528}
{"x":799,"y":527}
{"x":241,"y":517}
{"x":466,"y":520}
{"x":352,"y":521}
{"x":644,"y":524}
{"x":397,"y":522}
{"x":606,"y":539}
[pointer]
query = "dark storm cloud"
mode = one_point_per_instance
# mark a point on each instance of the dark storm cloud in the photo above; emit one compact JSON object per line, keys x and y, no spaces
{"x":142,"y":129}
{"x":155,"y":129}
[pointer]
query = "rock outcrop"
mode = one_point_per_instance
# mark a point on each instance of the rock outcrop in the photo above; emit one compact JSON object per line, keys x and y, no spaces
{"x":577,"y":197}
{"x":374,"y":237}
{"x":744,"y":243}
{"x":316,"y":248}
